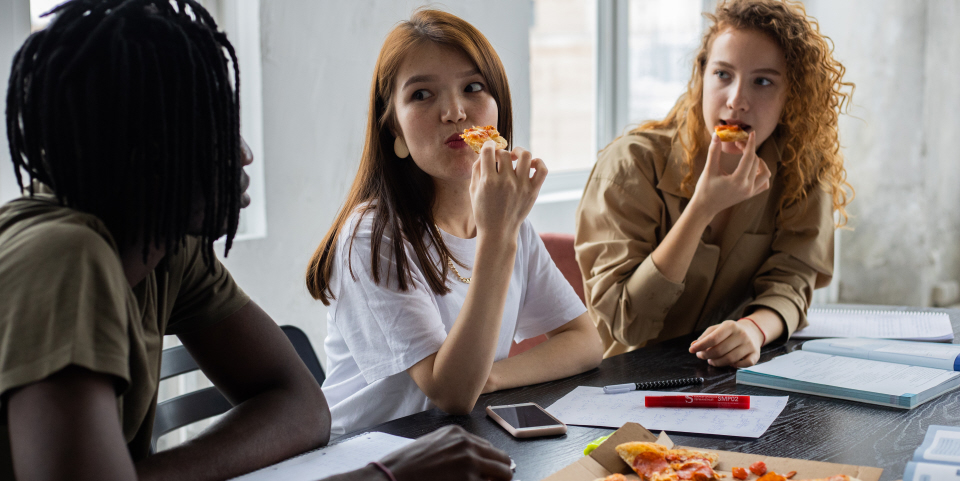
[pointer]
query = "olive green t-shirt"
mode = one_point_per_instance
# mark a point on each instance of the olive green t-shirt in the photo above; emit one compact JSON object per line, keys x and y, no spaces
{"x":64,"y":299}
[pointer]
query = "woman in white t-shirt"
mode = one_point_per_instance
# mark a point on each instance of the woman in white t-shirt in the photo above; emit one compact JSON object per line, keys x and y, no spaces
{"x":431,"y":270}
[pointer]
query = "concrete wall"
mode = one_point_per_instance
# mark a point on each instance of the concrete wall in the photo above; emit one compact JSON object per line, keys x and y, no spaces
{"x":14,"y":28}
{"x":903,"y":56}
{"x":318,"y":60}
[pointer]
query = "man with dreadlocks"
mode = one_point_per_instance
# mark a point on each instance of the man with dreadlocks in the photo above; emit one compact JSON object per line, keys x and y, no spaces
{"x":123,"y":114}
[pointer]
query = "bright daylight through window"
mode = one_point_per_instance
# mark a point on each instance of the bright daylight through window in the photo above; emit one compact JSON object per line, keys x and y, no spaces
{"x":663,"y":40}
{"x":660,"y":38}
{"x":563,"y":77}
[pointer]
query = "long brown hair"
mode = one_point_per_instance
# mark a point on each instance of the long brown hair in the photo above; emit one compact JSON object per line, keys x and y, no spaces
{"x":815,"y":97}
{"x":398,"y":193}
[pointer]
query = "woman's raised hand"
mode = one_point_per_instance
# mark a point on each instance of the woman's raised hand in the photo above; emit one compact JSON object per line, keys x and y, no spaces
{"x":717,"y":190}
{"x":502,"y":195}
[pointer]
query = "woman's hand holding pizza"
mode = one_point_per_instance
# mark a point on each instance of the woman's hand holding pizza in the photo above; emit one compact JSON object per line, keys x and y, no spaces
{"x":502,"y":195}
{"x":717,"y":190}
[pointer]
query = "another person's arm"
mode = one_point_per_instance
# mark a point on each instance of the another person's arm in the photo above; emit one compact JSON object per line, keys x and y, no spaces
{"x":66,"y":426}
{"x":454,"y":377}
{"x":279,"y":409}
{"x":447,"y":454}
{"x":634,"y":271}
{"x":570,"y":349}
{"x":802,"y":261}
{"x":714,"y":193}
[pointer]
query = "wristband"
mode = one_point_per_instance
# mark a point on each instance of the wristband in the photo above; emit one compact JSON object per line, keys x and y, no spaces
{"x":381,"y":467}
{"x":758,"y":328}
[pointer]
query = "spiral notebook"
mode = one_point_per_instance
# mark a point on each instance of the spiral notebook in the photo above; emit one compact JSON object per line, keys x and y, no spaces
{"x":877,"y":324}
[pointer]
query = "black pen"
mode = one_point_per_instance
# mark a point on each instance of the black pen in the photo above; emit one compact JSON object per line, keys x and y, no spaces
{"x":643,"y":386}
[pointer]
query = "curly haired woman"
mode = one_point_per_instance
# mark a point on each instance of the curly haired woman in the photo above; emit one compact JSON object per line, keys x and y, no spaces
{"x":678,"y":232}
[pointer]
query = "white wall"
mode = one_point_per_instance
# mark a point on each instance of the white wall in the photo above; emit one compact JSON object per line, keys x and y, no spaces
{"x":899,"y":143}
{"x":14,"y":28}
{"x":318,"y":60}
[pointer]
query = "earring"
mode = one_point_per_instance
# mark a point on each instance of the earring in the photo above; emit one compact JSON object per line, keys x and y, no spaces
{"x":400,"y":148}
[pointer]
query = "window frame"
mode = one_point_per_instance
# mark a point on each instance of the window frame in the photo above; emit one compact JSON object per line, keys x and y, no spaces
{"x":611,"y":63}
{"x":240,"y":19}
{"x":612,"y":94}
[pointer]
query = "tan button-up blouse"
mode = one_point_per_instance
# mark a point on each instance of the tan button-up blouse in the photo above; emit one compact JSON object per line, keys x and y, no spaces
{"x":633,"y":198}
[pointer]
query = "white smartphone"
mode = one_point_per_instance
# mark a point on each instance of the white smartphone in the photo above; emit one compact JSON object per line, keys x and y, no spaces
{"x":526,"y":420}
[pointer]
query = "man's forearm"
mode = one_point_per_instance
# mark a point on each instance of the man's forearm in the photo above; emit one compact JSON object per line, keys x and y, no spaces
{"x":261,"y":431}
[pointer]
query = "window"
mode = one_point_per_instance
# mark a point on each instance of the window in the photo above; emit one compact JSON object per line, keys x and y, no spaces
{"x":598,"y":67}
{"x":563,"y":83}
{"x":663,"y":39}
{"x":39,"y":7}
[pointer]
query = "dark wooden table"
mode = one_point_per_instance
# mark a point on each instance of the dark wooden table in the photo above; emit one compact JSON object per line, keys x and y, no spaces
{"x":810,"y":427}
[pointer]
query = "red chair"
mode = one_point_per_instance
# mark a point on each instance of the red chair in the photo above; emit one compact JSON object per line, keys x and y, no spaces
{"x":560,"y":247}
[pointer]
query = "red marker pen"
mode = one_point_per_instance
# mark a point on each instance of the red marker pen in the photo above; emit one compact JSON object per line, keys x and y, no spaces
{"x":698,"y":401}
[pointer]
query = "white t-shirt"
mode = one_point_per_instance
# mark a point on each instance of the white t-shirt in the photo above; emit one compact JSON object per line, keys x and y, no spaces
{"x":376,"y":332}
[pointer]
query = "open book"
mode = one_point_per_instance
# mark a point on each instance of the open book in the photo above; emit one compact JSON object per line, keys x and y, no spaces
{"x":857,"y":379}
{"x":938,"y":458}
{"x":926,"y":354}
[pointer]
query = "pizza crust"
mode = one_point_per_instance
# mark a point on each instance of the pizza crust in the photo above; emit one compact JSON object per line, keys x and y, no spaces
{"x":731,"y":133}
{"x":476,"y":136}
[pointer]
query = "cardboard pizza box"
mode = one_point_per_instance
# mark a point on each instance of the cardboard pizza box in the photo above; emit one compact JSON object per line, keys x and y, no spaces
{"x":605,"y":461}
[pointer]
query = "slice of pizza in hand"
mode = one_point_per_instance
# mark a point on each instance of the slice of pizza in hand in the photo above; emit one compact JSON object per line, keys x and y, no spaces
{"x":731,"y":133}
{"x":654,"y":462}
{"x":476,"y":136}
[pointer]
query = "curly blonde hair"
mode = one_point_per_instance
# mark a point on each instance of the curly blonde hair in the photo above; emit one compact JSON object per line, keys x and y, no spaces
{"x":815,"y":97}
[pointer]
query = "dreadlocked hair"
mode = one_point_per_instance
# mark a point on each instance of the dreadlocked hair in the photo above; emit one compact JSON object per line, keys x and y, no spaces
{"x":128,"y":110}
{"x":816,"y":95}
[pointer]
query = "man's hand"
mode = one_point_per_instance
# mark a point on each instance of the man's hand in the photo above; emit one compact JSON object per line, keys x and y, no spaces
{"x":449,"y":453}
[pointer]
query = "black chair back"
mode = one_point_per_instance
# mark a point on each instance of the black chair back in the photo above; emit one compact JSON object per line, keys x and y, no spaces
{"x":205,"y":403}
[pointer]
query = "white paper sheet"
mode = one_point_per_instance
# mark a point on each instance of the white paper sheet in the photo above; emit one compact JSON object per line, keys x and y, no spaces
{"x":855,"y":374}
{"x":933,"y":326}
{"x":339,"y":458}
{"x":945,"y":447}
{"x":589,"y":406}
{"x":931,"y":472}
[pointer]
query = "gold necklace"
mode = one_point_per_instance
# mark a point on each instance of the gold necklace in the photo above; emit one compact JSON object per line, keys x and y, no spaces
{"x":465,"y":280}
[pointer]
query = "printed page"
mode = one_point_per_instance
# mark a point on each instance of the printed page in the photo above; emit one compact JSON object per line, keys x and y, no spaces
{"x":851,"y":373}
{"x":589,"y":406}
{"x":339,"y":458}
{"x":877,"y":324}
{"x":917,"y":353}
{"x":940,"y":445}
{"x":945,"y":352}
{"x":931,"y":472}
